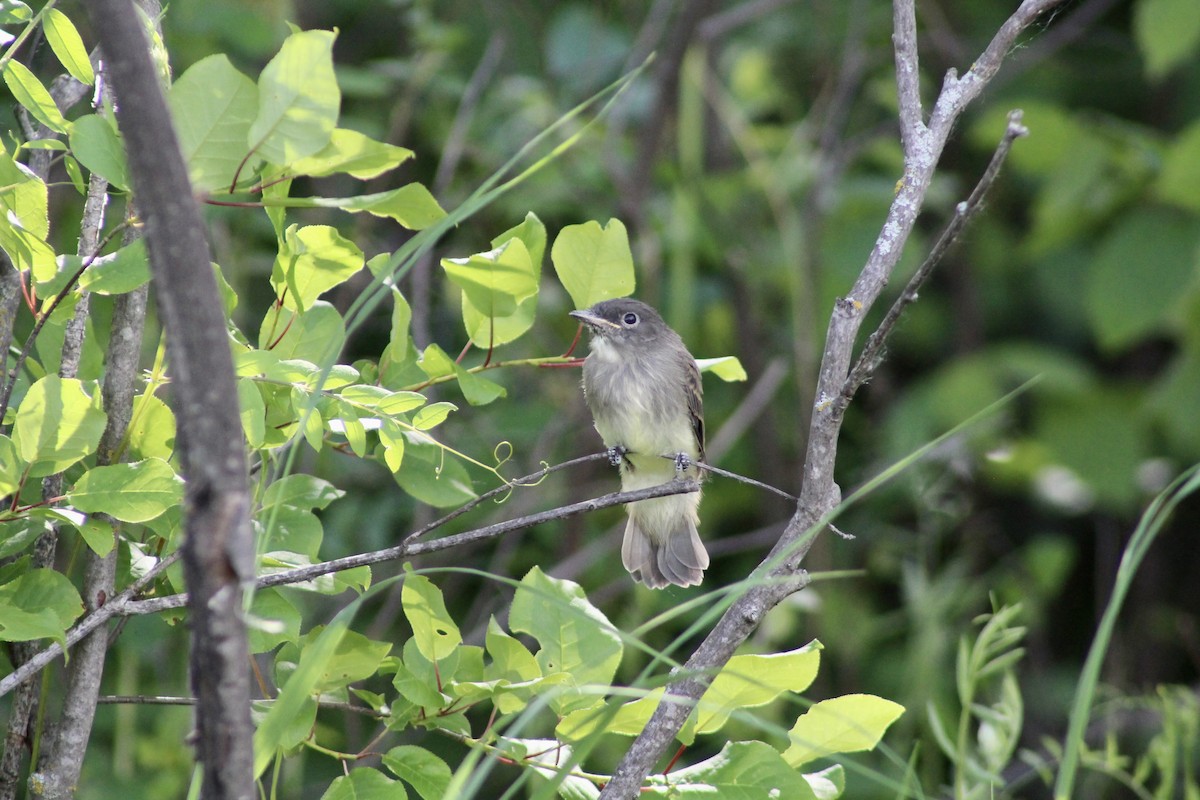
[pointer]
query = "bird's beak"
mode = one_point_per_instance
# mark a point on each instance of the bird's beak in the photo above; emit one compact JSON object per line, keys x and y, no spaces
{"x":592,"y":321}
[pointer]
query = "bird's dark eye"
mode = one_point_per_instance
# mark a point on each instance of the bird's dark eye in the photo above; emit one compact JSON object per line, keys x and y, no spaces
{"x":630,"y":319}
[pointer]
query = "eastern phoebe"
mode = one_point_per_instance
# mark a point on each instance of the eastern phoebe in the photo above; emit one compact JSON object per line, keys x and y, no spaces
{"x":643,"y":388}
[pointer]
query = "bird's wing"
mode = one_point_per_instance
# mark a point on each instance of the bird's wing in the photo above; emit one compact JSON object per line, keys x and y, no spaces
{"x":695,"y":402}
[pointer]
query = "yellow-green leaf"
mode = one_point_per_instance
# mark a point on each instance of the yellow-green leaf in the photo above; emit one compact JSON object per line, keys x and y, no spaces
{"x":727,"y":368}
{"x":848,"y":724}
{"x":354,"y":154}
{"x":66,"y":43}
{"x":749,"y":681}
{"x":434,"y":630}
{"x":32,"y":95}
{"x":298,"y":99}
{"x":594,"y":263}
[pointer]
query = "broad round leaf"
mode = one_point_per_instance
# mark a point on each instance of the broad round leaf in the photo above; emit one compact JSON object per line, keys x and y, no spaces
{"x":298,"y":99}
{"x":135,"y":492}
{"x":58,"y":423}
{"x":594,"y":263}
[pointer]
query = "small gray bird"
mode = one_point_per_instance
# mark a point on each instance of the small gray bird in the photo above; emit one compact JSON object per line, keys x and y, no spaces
{"x":643,"y":388}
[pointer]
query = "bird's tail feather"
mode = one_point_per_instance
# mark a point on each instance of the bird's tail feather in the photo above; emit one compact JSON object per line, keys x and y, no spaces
{"x":680,"y":560}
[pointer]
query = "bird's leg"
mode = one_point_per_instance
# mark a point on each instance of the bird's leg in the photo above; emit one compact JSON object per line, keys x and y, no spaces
{"x":616,"y":454}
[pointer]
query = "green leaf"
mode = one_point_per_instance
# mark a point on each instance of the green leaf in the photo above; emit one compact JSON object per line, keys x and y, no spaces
{"x":435,"y":363}
{"x":575,"y":637}
{"x":313,"y":260}
{"x":411,"y":205}
{"x":273,"y":620}
{"x":532,"y":233}
{"x":28,"y":252}
{"x":424,"y":771}
{"x":14,"y":12}
{"x":365,"y":783}
{"x":1129,"y":296}
{"x":398,"y":349}
{"x":513,"y":670}
{"x":57,"y":424}
{"x":352,"y":153}
{"x":487,"y":330}
{"x":135,"y":492}
{"x":848,"y":724}
{"x":548,"y":757}
{"x":385,"y":401}
{"x":749,"y":681}
{"x":433,"y":476}
{"x":432,"y":415}
{"x":67,"y":45}
{"x":298,"y":99}
{"x":38,"y":604}
{"x":500,"y":292}
{"x":316,"y":335}
{"x":1180,"y":173}
{"x":23,"y":203}
{"x":478,"y":390}
{"x":301,"y":491}
{"x":95,"y":142}
{"x":152,"y":429}
{"x":213,"y":105}
{"x":11,"y":466}
{"x":391,"y":436}
{"x":741,"y":770}
{"x":295,"y":694}
{"x":434,"y":630}
{"x":32,"y":95}
{"x":1167,"y":32}
{"x":416,"y":680}
{"x":98,"y":535}
{"x":24,"y":196}
{"x":511,"y":661}
{"x":354,"y":659}
{"x":45,"y":144}
{"x":119,"y":272}
{"x":827,"y":784}
{"x":594,"y":263}
{"x":20,"y":533}
{"x":727,"y":368}
{"x":286,"y":529}
{"x":253,"y":411}
{"x":494,"y":281}
{"x":74,"y":173}
{"x":626,"y":719}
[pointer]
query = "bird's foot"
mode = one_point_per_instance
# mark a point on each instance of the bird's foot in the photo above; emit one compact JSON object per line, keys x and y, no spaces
{"x":682,"y":462}
{"x":616,"y":454}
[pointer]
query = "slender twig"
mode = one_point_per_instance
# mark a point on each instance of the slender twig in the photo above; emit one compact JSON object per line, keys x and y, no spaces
{"x":529,"y":480}
{"x":872,"y":351}
{"x":406,"y":549}
{"x":908,"y":75}
{"x":144,"y":700}
{"x":740,"y":478}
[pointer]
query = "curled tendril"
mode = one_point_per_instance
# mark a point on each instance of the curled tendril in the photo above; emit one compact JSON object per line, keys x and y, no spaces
{"x":506,"y":448}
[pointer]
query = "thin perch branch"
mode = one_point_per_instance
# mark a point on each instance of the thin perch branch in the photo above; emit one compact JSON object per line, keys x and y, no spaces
{"x":409,"y":548}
